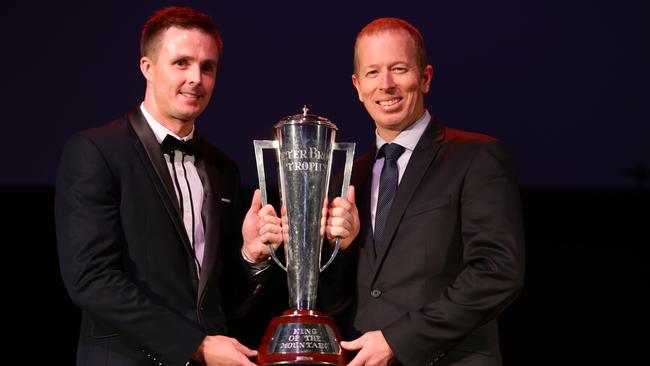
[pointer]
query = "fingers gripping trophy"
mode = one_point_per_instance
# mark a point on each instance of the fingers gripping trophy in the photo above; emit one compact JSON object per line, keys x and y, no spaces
{"x":304,"y":144}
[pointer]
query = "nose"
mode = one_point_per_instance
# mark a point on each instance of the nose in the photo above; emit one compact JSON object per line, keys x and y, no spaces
{"x":194,"y":75}
{"x":387,"y":82}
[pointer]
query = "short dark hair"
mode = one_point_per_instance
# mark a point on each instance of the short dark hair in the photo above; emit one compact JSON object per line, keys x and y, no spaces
{"x":393,"y":24}
{"x":175,"y":16}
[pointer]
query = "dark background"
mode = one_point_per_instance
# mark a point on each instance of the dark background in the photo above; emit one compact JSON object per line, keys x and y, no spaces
{"x":564,"y":83}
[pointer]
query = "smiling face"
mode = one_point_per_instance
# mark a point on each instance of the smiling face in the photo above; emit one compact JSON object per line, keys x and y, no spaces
{"x":180,"y":75}
{"x":389,"y":82}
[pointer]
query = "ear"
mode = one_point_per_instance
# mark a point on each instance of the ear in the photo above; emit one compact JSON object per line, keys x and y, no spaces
{"x":146,"y":68}
{"x":355,"y":82}
{"x":427,"y":75}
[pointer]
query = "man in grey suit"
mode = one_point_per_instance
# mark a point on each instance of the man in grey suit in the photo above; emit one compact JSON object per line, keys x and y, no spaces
{"x":440,"y":252}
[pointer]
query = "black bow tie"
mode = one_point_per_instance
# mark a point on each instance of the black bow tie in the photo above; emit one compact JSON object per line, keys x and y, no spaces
{"x":189,"y":147}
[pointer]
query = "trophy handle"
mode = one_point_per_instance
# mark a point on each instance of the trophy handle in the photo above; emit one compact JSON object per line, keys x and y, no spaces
{"x":259,"y":159}
{"x":347,"y":174}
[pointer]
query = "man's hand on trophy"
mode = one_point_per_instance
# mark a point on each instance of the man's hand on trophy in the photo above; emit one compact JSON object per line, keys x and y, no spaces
{"x":221,"y":350}
{"x":261,"y":227}
{"x":373,"y":349}
{"x":342,"y":220}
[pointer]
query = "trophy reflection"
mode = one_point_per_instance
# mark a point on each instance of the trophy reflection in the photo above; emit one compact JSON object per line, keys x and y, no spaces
{"x":304,"y":144}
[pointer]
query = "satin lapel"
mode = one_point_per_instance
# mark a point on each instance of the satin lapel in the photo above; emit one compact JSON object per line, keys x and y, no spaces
{"x":363,"y":183}
{"x":155,"y":156}
{"x":211,"y":216}
{"x":152,"y":156}
{"x":423,"y":154}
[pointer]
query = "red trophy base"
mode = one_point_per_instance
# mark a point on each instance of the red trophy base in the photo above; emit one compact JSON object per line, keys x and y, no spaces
{"x":301,"y":337}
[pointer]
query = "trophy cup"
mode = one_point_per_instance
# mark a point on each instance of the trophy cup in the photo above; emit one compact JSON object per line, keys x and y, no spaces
{"x":304,"y":144}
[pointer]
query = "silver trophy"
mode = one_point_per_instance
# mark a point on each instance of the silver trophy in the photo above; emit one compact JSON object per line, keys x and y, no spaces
{"x":304,"y":144}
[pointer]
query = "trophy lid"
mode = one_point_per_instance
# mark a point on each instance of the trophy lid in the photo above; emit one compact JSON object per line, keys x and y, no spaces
{"x":305,"y":118}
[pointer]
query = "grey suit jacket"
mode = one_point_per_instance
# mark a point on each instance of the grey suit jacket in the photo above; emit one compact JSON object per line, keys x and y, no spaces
{"x":451,"y":257}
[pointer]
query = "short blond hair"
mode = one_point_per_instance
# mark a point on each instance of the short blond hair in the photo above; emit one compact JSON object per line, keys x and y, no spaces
{"x":393,"y":24}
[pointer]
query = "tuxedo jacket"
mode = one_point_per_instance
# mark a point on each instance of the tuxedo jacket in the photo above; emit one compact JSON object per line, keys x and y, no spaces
{"x":124,"y":254}
{"x":451,"y":256}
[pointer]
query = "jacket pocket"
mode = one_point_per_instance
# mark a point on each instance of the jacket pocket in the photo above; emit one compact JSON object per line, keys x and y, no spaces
{"x":418,"y":208}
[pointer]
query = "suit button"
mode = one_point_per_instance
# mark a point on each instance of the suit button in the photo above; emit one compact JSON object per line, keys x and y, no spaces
{"x":375,"y":293}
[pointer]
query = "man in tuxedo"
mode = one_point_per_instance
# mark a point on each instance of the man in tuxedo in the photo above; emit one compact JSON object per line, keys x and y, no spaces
{"x":147,"y":215}
{"x":440,"y":252}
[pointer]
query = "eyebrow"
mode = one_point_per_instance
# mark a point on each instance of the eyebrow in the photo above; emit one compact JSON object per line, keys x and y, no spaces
{"x":209,"y":62}
{"x":376,"y":66}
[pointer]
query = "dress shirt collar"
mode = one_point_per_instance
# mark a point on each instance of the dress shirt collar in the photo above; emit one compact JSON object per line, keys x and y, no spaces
{"x":159,"y":130}
{"x":410,"y":136}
